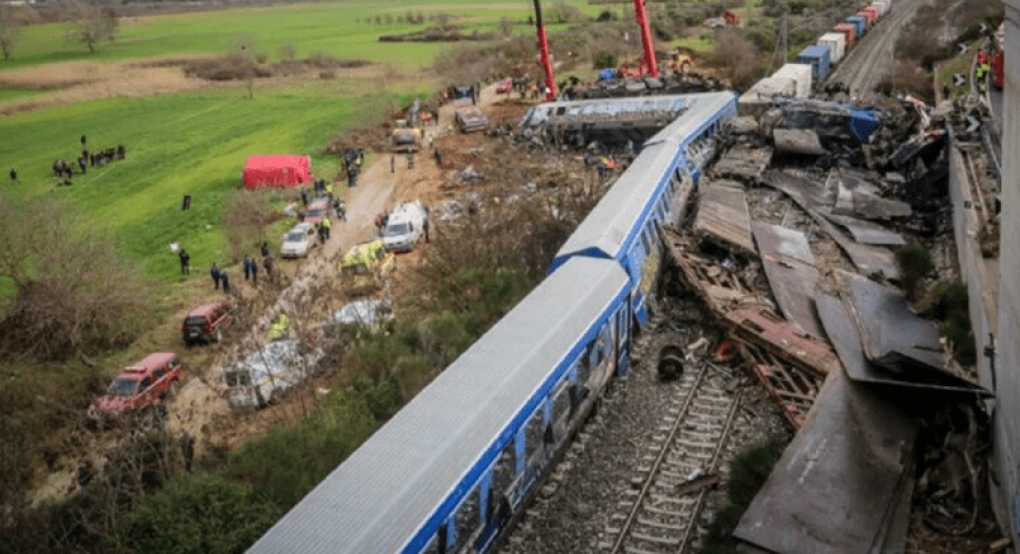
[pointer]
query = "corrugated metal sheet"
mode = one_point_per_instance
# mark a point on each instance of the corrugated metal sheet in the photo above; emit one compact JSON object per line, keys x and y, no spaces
{"x":790,"y":268}
{"x":387,"y":489}
{"x":840,"y":485}
{"x":723,"y":215}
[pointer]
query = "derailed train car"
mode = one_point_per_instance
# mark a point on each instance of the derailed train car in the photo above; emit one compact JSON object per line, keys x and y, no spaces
{"x":454,"y":468}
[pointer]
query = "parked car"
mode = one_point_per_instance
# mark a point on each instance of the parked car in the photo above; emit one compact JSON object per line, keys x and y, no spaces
{"x":318,"y":209}
{"x":298,"y":241}
{"x":505,"y":86}
{"x":206,"y":323}
{"x":470,"y":119}
{"x":406,"y":225}
{"x":140,"y":386}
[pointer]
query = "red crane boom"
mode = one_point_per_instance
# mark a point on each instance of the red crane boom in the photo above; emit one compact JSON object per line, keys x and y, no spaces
{"x":651,"y":66}
{"x":543,"y":50}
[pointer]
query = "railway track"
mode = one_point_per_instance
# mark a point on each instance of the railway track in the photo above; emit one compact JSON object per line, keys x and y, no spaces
{"x":662,"y":515}
{"x":874,"y":57}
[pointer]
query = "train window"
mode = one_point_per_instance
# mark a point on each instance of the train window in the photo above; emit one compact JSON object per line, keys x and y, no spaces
{"x":467,"y":519}
{"x":561,"y":402}
{"x":582,"y":369}
{"x":533,"y":434}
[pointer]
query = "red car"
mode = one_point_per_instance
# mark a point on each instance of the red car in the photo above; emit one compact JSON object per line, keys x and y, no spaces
{"x":144,"y":384}
{"x":504,"y":86}
{"x":205,"y":323}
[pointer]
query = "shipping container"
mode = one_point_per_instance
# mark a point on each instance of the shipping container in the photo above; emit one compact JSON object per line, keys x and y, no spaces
{"x":860,"y":25}
{"x":849,"y":31}
{"x":759,"y":97}
{"x":818,"y":58}
{"x":869,"y":18}
{"x":883,"y":7}
{"x":875,"y":13}
{"x":801,"y":75}
{"x":836,"y":43}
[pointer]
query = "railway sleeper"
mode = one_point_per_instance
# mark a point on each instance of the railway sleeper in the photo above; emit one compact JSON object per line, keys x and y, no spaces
{"x":661,"y":525}
{"x":668,"y":541}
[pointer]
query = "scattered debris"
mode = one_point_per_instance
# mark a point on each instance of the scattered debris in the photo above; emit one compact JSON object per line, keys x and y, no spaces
{"x":790,"y":268}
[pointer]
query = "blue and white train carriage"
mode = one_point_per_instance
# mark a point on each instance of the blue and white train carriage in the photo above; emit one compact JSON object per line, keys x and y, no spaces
{"x":653,"y":190}
{"x":456,"y":464}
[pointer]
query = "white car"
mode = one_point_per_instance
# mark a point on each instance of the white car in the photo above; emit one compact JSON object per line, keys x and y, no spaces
{"x":298,"y":241}
{"x":406,"y":225}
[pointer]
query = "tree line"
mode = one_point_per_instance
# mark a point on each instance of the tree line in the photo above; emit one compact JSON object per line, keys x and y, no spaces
{"x":89,"y":24}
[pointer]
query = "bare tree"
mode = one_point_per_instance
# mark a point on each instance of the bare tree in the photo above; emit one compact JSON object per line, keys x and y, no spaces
{"x":10,"y":30}
{"x":92,"y":24}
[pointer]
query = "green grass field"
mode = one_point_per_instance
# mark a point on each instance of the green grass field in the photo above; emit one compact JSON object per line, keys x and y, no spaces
{"x":193,"y":144}
{"x":196,"y":143}
{"x":342,"y":29}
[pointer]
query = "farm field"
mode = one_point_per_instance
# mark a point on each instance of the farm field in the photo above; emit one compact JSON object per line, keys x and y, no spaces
{"x":186,"y":144}
{"x":344,"y":29}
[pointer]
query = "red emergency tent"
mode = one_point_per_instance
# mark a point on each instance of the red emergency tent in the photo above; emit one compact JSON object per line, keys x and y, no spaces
{"x":281,"y":170}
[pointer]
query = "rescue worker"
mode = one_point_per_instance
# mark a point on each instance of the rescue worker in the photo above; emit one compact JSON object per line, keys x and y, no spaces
{"x":246,"y":264}
{"x":325,"y":227}
{"x":410,"y":159}
{"x":439,"y":158}
{"x":185,"y":261}
{"x":304,"y":197}
{"x":225,"y":278}
{"x":328,"y":187}
{"x":14,"y":175}
{"x":982,"y":77}
{"x":254,"y":272}
{"x":83,"y":164}
{"x":265,"y":249}
{"x":982,"y":56}
{"x":268,"y":263}
{"x":278,"y":329}
{"x":215,"y":273}
{"x":393,"y":163}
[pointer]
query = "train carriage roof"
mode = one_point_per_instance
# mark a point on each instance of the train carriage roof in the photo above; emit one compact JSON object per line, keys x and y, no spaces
{"x":610,"y":227}
{"x":387,"y":490}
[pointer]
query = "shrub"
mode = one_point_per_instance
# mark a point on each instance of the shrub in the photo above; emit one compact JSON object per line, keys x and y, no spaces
{"x":748,"y":472}
{"x":914,"y":264}
{"x":737,"y":57}
{"x":289,"y":460}
{"x":200,"y":514}
{"x":74,"y":290}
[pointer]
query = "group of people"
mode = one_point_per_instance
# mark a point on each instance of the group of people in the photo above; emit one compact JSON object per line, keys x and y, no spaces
{"x":64,"y":170}
{"x":220,"y":276}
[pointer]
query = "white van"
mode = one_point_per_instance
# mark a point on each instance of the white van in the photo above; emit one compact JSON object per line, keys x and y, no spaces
{"x":407,"y":223}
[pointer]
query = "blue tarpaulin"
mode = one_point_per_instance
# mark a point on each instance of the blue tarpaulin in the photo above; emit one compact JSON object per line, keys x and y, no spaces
{"x":863,"y":124}
{"x":607,"y":74}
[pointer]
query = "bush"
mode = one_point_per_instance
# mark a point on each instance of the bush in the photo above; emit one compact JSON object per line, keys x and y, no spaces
{"x":914,"y":264}
{"x":200,"y":514}
{"x":74,"y":290}
{"x":289,"y":460}
{"x":748,"y":472}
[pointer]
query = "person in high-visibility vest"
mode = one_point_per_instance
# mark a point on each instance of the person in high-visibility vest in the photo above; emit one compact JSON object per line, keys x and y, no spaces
{"x":326,"y":226}
{"x":982,"y":77}
{"x":278,"y":329}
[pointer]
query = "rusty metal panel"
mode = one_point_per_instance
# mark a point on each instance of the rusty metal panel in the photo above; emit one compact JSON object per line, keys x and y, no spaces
{"x":757,"y":324}
{"x":793,"y":389}
{"x":790,"y":268}
{"x":838,"y":486}
{"x":723,"y":216}
{"x":840,"y":327}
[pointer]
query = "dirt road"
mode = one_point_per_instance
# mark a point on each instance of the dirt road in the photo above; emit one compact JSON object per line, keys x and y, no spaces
{"x":199,"y":408}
